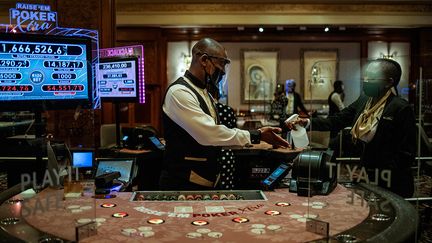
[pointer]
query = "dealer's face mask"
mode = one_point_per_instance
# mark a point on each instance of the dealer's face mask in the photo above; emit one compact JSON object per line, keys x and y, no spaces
{"x":215,"y":78}
{"x":374,"y":88}
{"x":218,"y":73}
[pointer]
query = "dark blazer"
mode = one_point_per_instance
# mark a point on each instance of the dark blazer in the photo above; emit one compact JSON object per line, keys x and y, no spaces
{"x":393,"y":146}
{"x":298,"y":103}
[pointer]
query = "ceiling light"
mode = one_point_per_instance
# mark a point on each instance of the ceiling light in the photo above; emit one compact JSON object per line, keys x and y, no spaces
{"x":261,"y":29}
{"x":326,"y":29}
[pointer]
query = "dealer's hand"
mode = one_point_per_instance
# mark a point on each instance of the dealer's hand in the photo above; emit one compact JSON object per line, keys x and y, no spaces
{"x":301,"y":121}
{"x":268,"y":134}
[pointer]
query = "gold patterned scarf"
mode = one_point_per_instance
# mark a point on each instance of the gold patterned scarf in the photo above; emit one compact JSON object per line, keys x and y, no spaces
{"x":367,"y":123}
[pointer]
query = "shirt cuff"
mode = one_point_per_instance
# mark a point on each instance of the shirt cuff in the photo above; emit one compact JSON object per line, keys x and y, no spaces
{"x":255,"y":136}
{"x":308,"y":123}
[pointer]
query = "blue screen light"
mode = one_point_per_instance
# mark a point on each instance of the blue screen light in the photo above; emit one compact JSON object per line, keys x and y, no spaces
{"x":82,"y":159}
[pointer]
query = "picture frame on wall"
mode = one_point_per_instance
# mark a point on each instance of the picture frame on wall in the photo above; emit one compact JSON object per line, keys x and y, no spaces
{"x":259,"y":69}
{"x":319,"y":70}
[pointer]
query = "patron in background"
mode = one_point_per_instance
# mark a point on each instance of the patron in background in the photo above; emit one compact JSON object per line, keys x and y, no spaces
{"x":336,"y":98}
{"x":383,"y":127}
{"x":192,"y":128}
{"x":278,"y":105}
{"x":294,"y":100}
{"x":335,"y":101}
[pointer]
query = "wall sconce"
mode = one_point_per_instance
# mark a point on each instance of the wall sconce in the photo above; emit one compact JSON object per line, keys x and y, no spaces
{"x":389,"y":55}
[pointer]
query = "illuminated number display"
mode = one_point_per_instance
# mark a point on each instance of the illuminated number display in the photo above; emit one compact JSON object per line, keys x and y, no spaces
{"x":46,"y":49}
{"x":16,"y":88}
{"x":45,"y":68}
{"x":63,"y":64}
{"x":10,"y":76}
{"x":117,"y":65}
{"x":60,"y":88}
{"x":64,"y":76}
{"x":10,"y":63}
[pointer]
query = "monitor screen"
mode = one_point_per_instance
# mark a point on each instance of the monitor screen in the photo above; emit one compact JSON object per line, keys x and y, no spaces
{"x":53,"y":69}
{"x":122,"y":165}
{"x":82,"y":159}
{"x":117,"y":79}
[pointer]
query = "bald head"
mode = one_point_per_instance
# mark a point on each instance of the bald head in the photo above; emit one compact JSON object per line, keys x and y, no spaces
{"x":208,"y":46}
{"x":208,"y":57}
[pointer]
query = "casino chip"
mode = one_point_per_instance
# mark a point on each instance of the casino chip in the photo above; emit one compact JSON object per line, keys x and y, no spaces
{"x":100,"y":220}
{"x":203,"y":231}
{"x":315,"y":204}
{"x":86,"y":207}
{"x":240,"y":220}
{"x":295,"y":216}
{"x":258,"y":226}
{"x":120,"y":215}
{"x":258,"y":231}
{"x":274,"y":227}
{"x":317,"y":207}
{"x":108,"y":205}
{"x":145,"y":228}
{"x":193,"y":235}
{"x":312,"y":216}
{"x":215,"y":234}
{"x":155,"y":221}
{"x":146,"y":233}
{"x":272,"y":212}
{"x":73,"y":207}
{"x":76,"y":210}
{"x":83,"y":221}
{"x":200,"y":222}
{"x":129,"y":231}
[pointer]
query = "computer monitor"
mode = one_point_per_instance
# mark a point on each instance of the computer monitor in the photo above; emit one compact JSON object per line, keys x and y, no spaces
{"x":82,"y":158}
{"x":123,"y":165}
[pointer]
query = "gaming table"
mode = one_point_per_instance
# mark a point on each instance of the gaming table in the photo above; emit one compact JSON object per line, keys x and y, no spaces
{"x":354,"y":212}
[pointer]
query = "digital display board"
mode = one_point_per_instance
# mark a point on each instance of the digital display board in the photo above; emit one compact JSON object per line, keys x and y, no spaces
{"x":117,"y":79}
{"x":53,"y":69}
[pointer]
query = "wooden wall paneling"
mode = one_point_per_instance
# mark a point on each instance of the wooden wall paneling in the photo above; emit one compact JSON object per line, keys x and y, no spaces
{"x":425,"y":53}
{"x":154,"y":71}
{"x":87,"y":14}
{"x":155,"y":43}
{"x":79,"y":14}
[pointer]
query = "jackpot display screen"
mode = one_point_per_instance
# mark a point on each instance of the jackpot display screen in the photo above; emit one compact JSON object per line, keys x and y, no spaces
{"x":53,"y":69}
{"x":118,"y":79}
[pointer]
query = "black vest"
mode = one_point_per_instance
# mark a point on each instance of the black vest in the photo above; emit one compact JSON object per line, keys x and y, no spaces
{"x":333,"y":108}
{"x":183,"y":154}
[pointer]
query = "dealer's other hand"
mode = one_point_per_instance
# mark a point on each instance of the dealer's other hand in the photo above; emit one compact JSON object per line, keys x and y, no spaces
{"x":268,"y":135}
{"x":291,"y":125}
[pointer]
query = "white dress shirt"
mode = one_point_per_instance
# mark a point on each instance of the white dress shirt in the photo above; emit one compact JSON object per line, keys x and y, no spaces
{"x":336,"y":98}
{"x":290,"y":106}
{"x":182,"y":106}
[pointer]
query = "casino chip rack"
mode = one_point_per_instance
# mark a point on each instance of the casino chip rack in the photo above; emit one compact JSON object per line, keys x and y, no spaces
{"x":175,"y":196}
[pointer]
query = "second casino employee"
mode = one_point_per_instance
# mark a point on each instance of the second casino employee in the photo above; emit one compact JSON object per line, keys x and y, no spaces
{"x":191,"y":125}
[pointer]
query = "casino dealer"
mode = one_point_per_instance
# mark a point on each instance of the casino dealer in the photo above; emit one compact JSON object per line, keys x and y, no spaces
{"x":192,"y":129}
